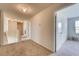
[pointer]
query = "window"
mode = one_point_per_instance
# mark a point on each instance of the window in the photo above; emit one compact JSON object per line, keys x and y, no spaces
{"x":77,"y":26}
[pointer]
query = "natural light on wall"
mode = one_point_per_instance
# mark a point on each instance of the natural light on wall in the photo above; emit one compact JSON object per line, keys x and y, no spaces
{"x":77,"y":26}
{"x":59,"y":27}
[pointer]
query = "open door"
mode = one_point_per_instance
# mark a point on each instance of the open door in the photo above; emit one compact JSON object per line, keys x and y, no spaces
{"x":20,"y":29}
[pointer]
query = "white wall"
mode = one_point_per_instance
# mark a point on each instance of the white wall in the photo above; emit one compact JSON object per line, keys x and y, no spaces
{"x":10,"y":28}
{"x":61,"y":37}
{"x":5,"y":23}
{"x":12,"y":32}
{"x":27,"y":28}
{"x":43,"y":28}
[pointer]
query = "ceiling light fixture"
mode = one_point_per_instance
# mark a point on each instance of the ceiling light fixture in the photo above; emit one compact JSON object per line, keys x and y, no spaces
{"x":24,"y":10}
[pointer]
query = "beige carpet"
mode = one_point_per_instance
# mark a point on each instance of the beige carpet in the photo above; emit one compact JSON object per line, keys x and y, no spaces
{"x":24,"y":48}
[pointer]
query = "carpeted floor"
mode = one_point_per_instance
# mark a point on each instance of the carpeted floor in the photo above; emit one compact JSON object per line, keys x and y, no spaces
{"x":69,"y":48}
{"x":24,"y":48}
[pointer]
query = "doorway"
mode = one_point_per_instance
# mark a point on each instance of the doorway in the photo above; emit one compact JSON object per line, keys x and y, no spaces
{"x":20,"y":29}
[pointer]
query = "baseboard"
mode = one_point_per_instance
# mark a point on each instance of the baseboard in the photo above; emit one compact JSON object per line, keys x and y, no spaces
{"x":43,"y":46}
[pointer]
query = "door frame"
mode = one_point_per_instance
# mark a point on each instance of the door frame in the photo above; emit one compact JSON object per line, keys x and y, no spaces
{"x":55,"y":41}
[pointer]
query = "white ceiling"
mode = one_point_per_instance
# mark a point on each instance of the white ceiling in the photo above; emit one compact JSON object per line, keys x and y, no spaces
{"x":32,"y":8}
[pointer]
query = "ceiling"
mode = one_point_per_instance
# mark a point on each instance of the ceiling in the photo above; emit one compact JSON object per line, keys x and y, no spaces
{"x":31,"y":9}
